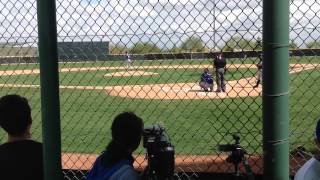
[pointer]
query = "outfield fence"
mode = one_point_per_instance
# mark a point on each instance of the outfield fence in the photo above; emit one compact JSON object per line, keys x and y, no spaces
{"x":170,"y":42}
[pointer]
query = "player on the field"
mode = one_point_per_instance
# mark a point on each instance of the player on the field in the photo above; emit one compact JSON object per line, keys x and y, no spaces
{"x":206,"y":80}
{"x":129,"y":60}
{"x":259,"y":76}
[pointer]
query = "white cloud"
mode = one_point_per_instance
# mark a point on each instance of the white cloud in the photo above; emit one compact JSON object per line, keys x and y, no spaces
{"x":133,"y":20}
{"x":173,"y":2}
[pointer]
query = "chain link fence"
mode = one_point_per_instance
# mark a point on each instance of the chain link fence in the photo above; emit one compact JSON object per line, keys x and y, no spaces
{"x":169,"y":43}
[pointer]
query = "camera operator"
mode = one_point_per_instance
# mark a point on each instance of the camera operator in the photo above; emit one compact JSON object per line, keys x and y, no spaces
{"x":116,"y":162}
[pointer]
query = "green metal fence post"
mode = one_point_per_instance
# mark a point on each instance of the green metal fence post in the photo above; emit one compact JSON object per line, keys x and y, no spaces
{"x":49,"y":80}
{"x":276,"y":89}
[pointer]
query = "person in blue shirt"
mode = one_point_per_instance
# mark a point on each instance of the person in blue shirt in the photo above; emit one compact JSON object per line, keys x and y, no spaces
{"x":116,"y":162}
{"x":206,"y":81}
{"x":311,"y":169}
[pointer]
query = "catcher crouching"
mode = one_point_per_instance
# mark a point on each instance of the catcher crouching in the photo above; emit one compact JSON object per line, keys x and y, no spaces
{"x":206,"y":81}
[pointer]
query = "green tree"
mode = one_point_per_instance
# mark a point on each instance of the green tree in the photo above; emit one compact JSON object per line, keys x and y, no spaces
{"x":144,"y":48}
{"x":293,"y":45}
{"x":313,"y":45}
{"x":117,"y":49}
{"x":193,"y":44}
{"x":175,"y":49}
{"x":238,"y":43}
{"x":257,"y":45}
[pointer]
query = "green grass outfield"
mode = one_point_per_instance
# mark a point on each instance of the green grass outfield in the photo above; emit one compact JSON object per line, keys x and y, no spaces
{"x":195,"y":126}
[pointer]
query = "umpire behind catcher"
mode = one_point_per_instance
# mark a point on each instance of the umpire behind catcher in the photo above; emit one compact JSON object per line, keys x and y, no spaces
{"x":220,"y":63}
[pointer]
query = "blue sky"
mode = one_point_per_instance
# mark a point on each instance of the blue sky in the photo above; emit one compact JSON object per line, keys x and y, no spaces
{"x":164,"y":22}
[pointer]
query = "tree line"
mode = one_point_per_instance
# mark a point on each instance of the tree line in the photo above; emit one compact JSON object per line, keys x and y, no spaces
{"x":195,"y":44}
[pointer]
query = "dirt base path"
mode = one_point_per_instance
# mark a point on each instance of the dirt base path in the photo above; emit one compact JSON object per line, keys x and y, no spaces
{"x":237,"y":88}
{"x":234,"y":89}
{"x":183,"y":163}
{"x":130,"y":73}
{"x":87,"y":69}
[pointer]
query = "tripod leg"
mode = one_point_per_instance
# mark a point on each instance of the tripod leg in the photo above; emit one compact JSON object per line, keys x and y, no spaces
{"x":237,"y":172}
{"x":250,"y":174}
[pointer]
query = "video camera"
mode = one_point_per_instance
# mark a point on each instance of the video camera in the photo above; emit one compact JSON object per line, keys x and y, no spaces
{"x":231,"y":147}
{"x":160,"y":153}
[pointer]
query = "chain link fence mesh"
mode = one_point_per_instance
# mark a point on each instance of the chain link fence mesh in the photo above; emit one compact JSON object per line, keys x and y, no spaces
{"x":169,"y":42}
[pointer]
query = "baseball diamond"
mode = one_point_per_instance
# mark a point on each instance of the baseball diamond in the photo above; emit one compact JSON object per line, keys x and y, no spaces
{"x":169,"y":91}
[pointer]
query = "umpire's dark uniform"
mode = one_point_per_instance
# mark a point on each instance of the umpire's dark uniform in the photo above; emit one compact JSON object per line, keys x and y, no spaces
{"x":220,"y":64}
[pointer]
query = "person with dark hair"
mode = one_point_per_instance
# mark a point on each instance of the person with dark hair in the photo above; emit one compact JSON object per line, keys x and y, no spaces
{"x":116,"y":162}
{"x":311,"y":169}
{"x":20,"y":157}
{"x":220,"y":63}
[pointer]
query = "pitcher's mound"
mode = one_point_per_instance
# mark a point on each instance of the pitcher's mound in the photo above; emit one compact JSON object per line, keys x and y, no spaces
{"x":130,"y":73}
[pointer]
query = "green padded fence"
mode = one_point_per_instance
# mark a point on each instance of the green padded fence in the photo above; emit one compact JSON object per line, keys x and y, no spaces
{"x":170,"y":43}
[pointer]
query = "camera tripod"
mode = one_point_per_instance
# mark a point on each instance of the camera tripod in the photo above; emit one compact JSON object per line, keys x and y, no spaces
{"x":237,"y":157}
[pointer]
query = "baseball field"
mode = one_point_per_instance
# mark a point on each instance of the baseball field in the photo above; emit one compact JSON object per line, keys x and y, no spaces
{"x":166,"y":92}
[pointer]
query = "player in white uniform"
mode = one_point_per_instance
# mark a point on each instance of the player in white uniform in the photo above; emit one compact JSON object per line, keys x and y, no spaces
{"x":129,"y":60}
{"x":311,"y":169}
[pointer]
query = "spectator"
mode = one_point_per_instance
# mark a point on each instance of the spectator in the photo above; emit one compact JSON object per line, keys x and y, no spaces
{"x":311,"y":169}
{"x":116,"y":162}
{"x":20,"y":157}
